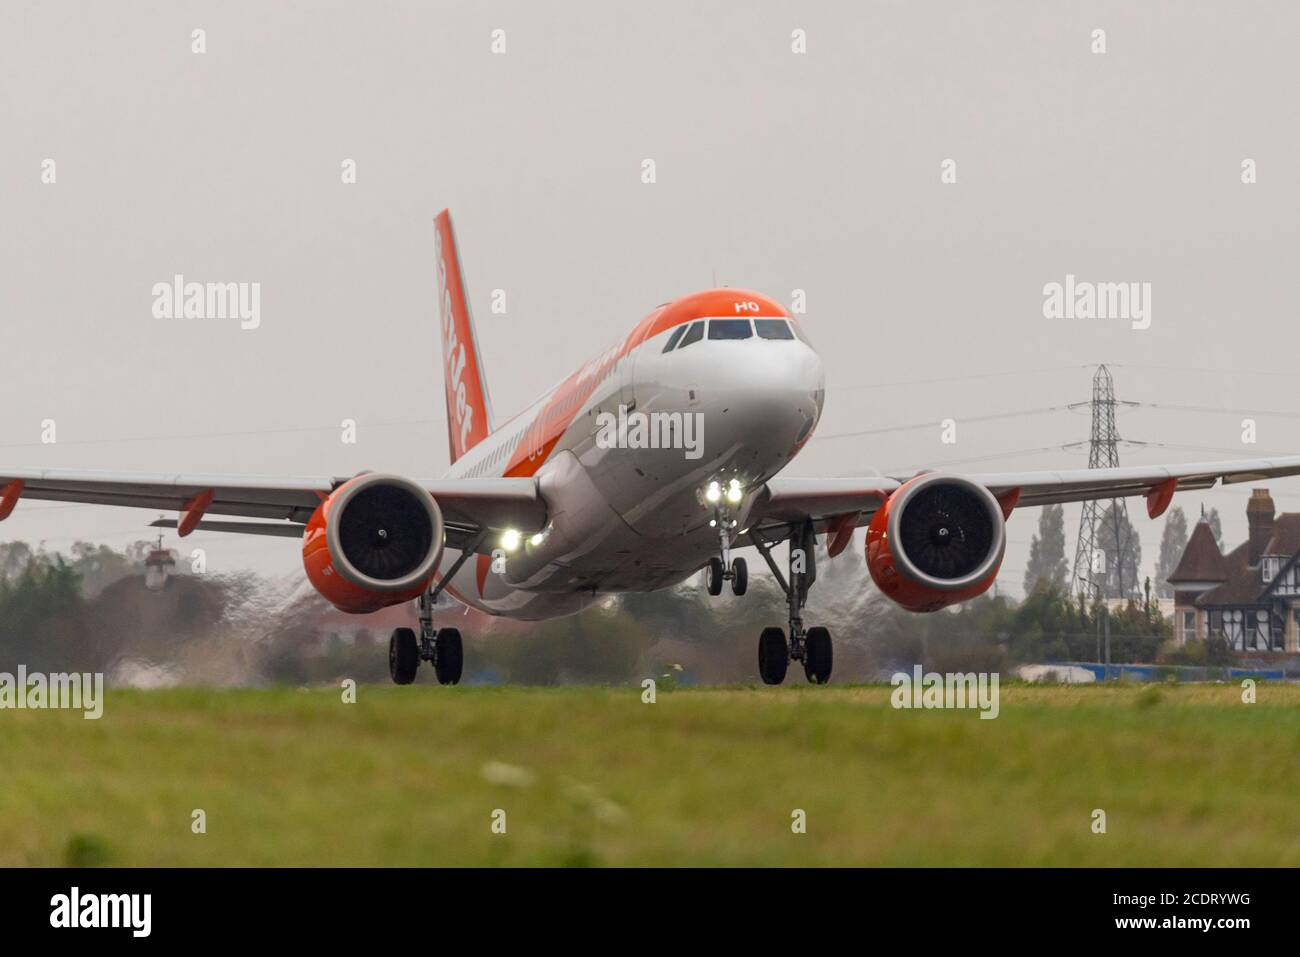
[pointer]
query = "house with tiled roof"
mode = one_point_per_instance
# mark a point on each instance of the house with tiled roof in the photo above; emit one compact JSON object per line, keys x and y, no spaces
{"x":1251,"y":596}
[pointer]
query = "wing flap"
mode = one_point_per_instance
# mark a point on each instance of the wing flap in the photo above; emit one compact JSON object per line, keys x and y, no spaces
{"x":172,"y":503}
{"x":277,"y":529}
{"x":252,"y":495}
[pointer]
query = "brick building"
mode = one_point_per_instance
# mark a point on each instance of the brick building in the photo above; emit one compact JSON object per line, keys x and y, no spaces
{"x":1251,"y":595}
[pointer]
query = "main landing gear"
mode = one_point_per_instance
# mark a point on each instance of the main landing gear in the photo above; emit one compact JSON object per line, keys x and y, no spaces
{"x":811,"y":647}
{"x":441,"y":647}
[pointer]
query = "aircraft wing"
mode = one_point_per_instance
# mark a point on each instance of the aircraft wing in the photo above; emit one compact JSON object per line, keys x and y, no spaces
{"x":789,"y":501}
{"x":786,"y":501}
{"x":1081,"y":485}
{"x":282,"y":504}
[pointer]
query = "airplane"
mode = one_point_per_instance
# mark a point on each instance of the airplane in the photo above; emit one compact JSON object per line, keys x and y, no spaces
{"x":576,"y":496}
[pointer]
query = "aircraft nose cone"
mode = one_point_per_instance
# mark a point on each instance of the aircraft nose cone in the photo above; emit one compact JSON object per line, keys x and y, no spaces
{"x":757,"y":400}
{"x":773,"y":395}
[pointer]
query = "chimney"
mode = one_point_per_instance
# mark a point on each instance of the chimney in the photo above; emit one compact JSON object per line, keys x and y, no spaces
{"x":1259,"y":516}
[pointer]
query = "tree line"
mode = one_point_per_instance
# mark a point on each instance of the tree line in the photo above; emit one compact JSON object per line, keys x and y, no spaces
{"x":1118,"y":540}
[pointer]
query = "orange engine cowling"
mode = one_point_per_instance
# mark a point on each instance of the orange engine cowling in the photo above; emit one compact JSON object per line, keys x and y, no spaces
{"x":936,"y":541}
{"x":376,"y":541}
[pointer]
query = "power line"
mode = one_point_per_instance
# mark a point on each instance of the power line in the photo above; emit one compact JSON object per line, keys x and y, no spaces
{"x":1205,"y":409}
{"x":903,"y":470}
{"x":955,"y":378}
{"x":1206,"y":369}
{"x":1256,"y":453}
{"x":930,"y":425}
{"x":1070,"y":407}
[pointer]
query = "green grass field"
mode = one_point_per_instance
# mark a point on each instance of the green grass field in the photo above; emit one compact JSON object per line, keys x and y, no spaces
{"x":592,"y":776}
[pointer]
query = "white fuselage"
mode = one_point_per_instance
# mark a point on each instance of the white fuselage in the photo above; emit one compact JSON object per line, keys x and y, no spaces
{"x":623,"y":518}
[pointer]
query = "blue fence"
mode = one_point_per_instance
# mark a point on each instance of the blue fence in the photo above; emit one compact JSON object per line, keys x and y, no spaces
{"x":1165,"y":672}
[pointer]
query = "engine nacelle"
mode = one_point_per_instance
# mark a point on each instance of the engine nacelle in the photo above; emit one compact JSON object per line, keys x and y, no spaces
{"x":936,"y":541}
{"x":376,"y":541}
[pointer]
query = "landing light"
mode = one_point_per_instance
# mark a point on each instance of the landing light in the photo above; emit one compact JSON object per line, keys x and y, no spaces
{"x":510,"y":539}
{"x":713,"y":492}
{"x":733,"y":491}
{"x":537,"y":539}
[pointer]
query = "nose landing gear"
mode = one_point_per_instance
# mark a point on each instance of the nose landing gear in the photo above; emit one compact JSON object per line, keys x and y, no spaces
{"x":737,"y":574}
{"x":726,"y":568}
{"x":811,"y":647}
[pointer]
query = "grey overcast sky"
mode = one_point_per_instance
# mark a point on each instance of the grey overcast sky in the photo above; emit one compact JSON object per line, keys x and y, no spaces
{"x":775,"y":170}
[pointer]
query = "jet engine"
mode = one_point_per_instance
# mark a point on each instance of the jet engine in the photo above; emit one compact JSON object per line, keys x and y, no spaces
{"x":376,"y":541}
{"x":937,"y":540}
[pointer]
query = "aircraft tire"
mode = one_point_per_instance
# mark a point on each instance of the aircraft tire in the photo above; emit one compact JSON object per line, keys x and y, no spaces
{"x":450,"y":657}
{"x":715,"y":576}
{"x":403,"y":656}
{"x":773,"y":656}
{"x":739,"y":577}
{"x":818,"y":656}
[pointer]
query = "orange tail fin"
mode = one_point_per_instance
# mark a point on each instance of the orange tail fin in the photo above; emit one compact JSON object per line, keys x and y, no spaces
{"x":469,"y":412}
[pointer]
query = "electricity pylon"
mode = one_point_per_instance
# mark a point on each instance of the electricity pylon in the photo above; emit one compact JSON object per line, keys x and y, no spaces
{"x":1103,"y":452}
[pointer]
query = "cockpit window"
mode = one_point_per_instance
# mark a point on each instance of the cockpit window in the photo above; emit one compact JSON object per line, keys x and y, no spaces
{"x":729,"y":329}
{"x":801,"y":333}
{"x":672,"y":340}
{"x":694,"y":334}
{"x":773,"y":329}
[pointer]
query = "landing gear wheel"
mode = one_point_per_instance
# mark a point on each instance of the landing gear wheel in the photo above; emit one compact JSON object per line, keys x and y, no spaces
{"x":739,"y":577}
{"x":449,"y":660}
{"x":403,"y":655}
{"x":715,"y":576}
{"x":773,"y":656}
{"x":818,"y":656}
